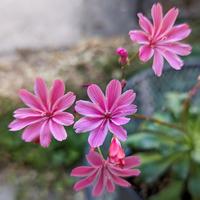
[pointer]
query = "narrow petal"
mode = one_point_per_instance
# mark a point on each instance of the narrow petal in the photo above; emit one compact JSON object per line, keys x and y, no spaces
{"x":174,"y":60}
{"x":145,"y":24}
{"x":86,"y":124}
{"x":57,"y":130}
{"x":41,"y":91}
{"x":139,"y":36}
{"x":64,"y":102}
{"x":145,"y":53}
{"x":100,"y":184}
{"x":98,"y":135}
{"x":32,"y":132}
{"x":45,"y":135}
{"x":113,"y":91}
{"x":110,"y":186}
{"x":125,"y":99}
{"x":119,"y":181}
{"x":157,"y":15}
{"x":19,"y":124}
{"x":158,"y":63}
{"x":177,"y":48}
{"x":132,"y":161}
{"x":63,"y":118}
{"x":85,"y":182}
{"x":124,"y":110}
{"x":94,"y":159}
{"x":120,"y":120}
{"x":118,"y":131}
{"x":30,"y":100}
{"x":22,"y":113}
{"x":57,"y":91}
{"x":169,"y":20}
{"x":82,"y":171}
{"x":178,"y":33}
{"x":123,"y":172}
{"x":96,"y":95}
{"x":88,"y":109}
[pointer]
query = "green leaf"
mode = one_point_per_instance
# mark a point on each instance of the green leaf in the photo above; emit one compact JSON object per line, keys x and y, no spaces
{"x":154,"y":165}
{"x":194,"y":182}
{"x":170,"y":192}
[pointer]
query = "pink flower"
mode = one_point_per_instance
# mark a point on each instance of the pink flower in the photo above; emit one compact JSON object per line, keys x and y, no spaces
{"x":123,"y":53}
{"x":116,"y":152}
{"x":45,"y":114}
{"x":105,"y":112}
{"x":103,"y":174}
{"x":161,"y":39}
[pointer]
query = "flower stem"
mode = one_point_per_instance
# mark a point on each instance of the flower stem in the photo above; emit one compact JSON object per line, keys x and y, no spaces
{"x":186,"y":104}
{"x":99,"y":150}
{"x":157,"y":121}
{"x":123,"y":67}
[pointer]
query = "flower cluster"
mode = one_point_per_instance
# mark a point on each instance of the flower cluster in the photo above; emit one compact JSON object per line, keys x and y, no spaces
{"x":45,"y":116}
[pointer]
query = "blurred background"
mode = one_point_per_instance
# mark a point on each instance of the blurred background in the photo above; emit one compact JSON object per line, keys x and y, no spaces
{"x":75,"y":40}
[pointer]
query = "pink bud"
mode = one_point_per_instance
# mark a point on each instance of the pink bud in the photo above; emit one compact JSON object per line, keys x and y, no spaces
{"x":116,"y":152}
{"x":123,"y":53}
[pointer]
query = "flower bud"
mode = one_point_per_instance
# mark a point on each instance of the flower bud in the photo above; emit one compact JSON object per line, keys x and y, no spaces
{"x":123,"y":53}
{"x":116,"y":152}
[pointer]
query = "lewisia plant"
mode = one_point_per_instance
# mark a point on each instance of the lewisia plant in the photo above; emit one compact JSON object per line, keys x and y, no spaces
{"x":45,"y":116}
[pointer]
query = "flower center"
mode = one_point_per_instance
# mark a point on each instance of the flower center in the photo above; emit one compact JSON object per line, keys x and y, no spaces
{"x":107,"y":115}
{"x":47,"y":114}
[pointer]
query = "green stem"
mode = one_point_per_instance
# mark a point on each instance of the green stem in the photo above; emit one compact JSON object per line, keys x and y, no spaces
{"x":157,"y":121}
{"x":123,"y":67}
{"x":99,"y":150}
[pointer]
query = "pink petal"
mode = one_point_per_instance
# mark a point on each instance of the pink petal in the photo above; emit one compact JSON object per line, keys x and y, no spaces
{"x":57,"y":91}
{"x":57,"y":130}
{"x":45,"y":135}
{"x":82,"y":171}
{"x":145,"y":53}
{"x":119,"y":181}
{"x":113,"y":91}
{"x":178,"y":33}
{"x":86,"y":124}
{"x":32,"y":132}
{"x":158,"y":63}
{"x":85,"y":182}
{"x":145,"y":24}
{"x":64,"y":102}
{"x":22,"y":113}
{"x":118,"y":131}
{"x":30,"y":100}
{"x":88,"y":109}
{"x":125,"y":99}
{"x":94,"y":159}
{"x":120,"y":120}
{"x":132,"y":161}
{"x":157,"y":15}
{"x":124,"y":110}
{"x":139,"y":37}
{"x":19,"y":124}
{"x":41,"y":91}
{"x":169,"y":20}
{"x":98,"y":135}
{"x":96,"y":95}
{"x":63,"y":118}
{"x":174,"y":60}
{"x":177,"y":48}
{"x":123,"y":172}
{"x":99,"y":185}
{"x":110,"y":185}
